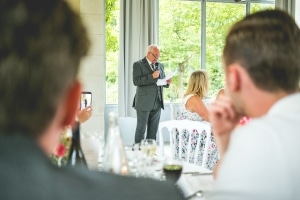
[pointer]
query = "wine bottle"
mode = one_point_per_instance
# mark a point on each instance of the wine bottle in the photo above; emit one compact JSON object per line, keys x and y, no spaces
{"x":114,"y":160}
{"x":76,"y":157}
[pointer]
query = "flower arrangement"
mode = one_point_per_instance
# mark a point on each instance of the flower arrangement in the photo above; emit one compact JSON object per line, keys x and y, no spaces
{"x":61,"y":152}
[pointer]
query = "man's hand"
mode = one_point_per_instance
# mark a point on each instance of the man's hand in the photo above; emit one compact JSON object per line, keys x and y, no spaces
{"x":155,"y":74}
{"x":223,"y":118}
{"x":85,"y":114}
{"x":169,"y":81}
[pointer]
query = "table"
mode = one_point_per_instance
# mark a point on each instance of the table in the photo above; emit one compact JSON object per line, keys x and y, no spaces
{"x":195,"y":178}
{"x":191,"y":180}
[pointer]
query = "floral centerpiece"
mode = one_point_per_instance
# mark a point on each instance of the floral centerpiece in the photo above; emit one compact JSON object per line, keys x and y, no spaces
{"x":61,"y":152}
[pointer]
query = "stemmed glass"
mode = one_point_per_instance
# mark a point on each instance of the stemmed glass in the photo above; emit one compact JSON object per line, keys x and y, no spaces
{"x":153,"y":164}
{"x":135,"y":160}
{"x":148,"y":147}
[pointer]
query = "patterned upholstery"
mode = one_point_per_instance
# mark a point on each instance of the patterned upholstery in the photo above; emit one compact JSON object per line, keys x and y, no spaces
{"x":189,"y":140}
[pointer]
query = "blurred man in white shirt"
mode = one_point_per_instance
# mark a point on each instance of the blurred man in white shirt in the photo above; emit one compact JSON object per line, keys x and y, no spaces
{"x":261,"y":61}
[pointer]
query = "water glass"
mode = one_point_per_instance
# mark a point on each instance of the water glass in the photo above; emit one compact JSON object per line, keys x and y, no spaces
{"x":172,"y":169}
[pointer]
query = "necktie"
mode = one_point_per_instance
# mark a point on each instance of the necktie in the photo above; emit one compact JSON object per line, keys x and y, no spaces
{"x":152,"y":66}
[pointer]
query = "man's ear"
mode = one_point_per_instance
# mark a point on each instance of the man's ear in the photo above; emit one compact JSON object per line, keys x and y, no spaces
{"x":72,"y":103}
{"x":234,"y":77}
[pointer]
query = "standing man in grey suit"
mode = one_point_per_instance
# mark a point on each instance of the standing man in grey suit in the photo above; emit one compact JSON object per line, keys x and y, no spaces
{"x":148,"y":100}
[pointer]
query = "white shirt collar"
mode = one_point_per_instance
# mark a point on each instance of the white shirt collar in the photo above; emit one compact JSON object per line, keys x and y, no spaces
{"x":286,"y":103}
{"x":148,"y":61}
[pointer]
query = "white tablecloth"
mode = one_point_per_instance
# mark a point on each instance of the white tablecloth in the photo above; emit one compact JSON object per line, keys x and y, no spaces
{"x":192,"y":179}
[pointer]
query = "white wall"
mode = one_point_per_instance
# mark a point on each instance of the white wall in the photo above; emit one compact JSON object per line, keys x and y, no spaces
{"x":92,"y":72}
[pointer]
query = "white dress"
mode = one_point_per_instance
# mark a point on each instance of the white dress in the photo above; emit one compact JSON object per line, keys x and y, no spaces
{"x":183,"y":113}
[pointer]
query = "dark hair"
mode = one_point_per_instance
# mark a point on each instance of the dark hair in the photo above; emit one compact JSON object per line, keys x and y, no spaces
{"x":267,"y":45}
{"x":41,"y":45}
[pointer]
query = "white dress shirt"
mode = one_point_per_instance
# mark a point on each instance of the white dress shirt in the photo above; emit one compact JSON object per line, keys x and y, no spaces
{"x":262,"y":161}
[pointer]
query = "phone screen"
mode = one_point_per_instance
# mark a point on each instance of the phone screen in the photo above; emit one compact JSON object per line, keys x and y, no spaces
{"x":85,"y":99}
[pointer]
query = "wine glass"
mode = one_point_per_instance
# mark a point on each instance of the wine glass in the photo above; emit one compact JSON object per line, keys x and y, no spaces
{"x":135,"y":160}
{"x":148,"y":147}
{"x":172,"y":169}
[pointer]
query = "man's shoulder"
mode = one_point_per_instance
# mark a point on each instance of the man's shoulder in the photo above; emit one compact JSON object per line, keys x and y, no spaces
{"x":141,"y":61}
{"x":83,"y":183}
{"x":143,"y":188}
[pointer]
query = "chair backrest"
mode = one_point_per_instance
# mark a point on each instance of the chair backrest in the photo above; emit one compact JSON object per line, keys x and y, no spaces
{"x":173,"y":110}
{"x":189,"y":140}
{"x":127,"y":127}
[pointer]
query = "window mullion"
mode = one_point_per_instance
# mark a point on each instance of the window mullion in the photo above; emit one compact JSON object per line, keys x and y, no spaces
{"x":203,"y":35}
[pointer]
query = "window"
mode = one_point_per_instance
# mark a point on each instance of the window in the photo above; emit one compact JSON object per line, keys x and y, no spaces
{"x":191,"y":37}
{"x":112,"y":50}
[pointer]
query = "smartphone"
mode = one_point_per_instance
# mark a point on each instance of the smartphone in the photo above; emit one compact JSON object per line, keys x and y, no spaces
{"x":85,"y":99}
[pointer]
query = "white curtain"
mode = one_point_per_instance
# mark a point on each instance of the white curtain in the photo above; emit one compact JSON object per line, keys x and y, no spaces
{"x":138,"y":29}
{"x":287,"y":5}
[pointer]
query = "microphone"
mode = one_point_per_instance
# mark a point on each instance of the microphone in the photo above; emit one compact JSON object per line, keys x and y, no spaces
{"x":156,"y":69}
{"x":156,"y":66}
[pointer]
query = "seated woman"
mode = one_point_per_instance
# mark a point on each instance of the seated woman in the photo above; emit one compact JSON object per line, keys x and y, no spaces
{"x":194,"y":107}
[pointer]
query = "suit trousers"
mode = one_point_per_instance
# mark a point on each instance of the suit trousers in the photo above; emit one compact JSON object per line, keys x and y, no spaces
{"x":149,"y":120}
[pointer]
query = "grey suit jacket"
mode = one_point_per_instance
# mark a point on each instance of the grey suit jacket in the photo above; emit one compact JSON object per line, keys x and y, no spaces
{"x":146,"y":85}
{"x":27,"y":173}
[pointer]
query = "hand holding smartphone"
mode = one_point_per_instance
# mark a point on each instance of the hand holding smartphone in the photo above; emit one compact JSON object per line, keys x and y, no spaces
{"x":85,"y":99}
{"x":85,"y":107}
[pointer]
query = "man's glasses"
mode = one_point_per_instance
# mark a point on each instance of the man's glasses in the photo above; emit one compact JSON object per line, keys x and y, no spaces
{"x":156,"y":57}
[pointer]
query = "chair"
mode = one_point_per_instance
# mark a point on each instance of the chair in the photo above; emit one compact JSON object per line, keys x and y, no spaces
{"x":186,"y":140}
{"x":127,"y":127}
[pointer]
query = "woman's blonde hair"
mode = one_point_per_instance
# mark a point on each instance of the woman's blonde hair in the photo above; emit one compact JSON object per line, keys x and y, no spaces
{"x":198,"y":84}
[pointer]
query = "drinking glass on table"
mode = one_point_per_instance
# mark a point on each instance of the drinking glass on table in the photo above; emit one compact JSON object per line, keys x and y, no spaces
{"x":92,"y":143}
{"x":172,"y":169}
{"x":135,"y":160}
{"x":148,"y":147}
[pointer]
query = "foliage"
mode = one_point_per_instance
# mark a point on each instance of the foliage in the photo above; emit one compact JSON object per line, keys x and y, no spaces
{"x":180,"y":41}
{"x":183,"y":48}
{"x":111,"y":20}
{"x":179,"y":31}
{"x":111,"y":77}
{"x":219,"y":17}
{"x":111,"y":23}
{"x":112,"y":50}
{"x":110,"y":8}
